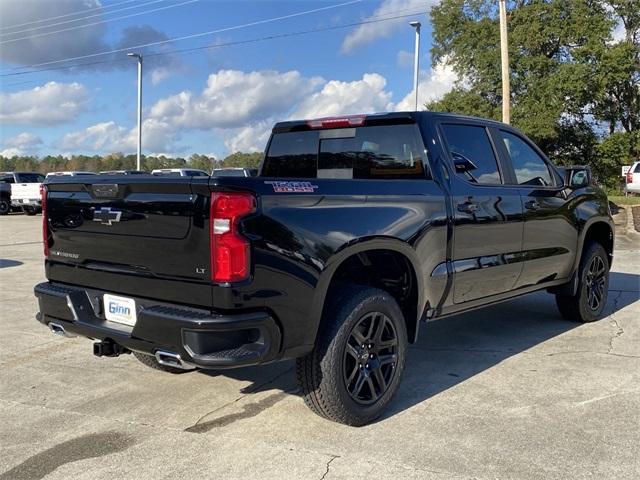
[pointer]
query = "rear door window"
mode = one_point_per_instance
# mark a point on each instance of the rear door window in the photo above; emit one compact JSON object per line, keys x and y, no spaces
{"x":471,"y":144}
{"x":529,"y":167}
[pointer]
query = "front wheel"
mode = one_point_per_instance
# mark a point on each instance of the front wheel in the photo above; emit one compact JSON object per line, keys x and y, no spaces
{"x":355,"y":368}
{"x":593,"y":286}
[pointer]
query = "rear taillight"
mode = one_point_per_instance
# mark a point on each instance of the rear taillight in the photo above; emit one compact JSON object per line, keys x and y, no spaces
{"x":45,"y":220}
{"x":629,"y":178}
{"x":230,"y":255}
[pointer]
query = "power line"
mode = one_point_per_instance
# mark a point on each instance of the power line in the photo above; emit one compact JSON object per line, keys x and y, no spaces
{"x":188,"y":37}
{"x":45,"y":34}
{"x":31,"y":29}
{"x":227,"y":44}
{"x":67,"y":15}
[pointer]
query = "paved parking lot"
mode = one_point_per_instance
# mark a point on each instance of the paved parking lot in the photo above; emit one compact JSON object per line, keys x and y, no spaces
{"x":512,"y":391}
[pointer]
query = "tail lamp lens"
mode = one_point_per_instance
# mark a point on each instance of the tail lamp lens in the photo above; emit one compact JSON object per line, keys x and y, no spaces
{"x":45,"y":220}
{"x":230,"y":254}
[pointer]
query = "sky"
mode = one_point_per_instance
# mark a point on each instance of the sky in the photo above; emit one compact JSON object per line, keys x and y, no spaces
{"x":67,"y":86}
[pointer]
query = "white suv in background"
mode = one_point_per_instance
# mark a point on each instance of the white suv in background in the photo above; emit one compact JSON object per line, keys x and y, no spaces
{"x":633,"y":179}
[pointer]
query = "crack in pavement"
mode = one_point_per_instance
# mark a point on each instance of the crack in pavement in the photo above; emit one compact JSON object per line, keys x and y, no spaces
{"x":612,"y":316}
{"x":195,"y":427}
{"x":328,"y":466}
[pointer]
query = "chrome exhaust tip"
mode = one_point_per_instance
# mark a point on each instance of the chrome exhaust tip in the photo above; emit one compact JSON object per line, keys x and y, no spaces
{"x":58,"y":329}
{"x":174,"y":360}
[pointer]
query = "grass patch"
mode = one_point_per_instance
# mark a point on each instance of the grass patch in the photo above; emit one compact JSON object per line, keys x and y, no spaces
{"x":619,"y":200}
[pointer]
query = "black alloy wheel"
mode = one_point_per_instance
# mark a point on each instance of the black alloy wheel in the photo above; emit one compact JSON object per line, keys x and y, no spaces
{"x":370,"y":358}
{"x":595,"y":283}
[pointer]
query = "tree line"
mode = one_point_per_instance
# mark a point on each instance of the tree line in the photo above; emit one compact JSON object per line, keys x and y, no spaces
{"x":574,"y":74}
{"x":119,"y":161}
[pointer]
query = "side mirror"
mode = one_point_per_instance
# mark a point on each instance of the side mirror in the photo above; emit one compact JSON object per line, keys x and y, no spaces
{"x":577,"y":177}
{"x":462,"y":163}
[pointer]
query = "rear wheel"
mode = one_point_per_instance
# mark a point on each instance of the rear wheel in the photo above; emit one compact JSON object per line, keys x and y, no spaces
{"x":593,"y":286}
{"x":29,"y":210}
{"x":151,"y":362}
{"x":355,"y":368}
{"x":5,"y":206}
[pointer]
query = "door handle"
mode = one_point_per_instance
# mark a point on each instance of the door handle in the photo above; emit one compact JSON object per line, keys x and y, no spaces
{"x":531,"y":205}
{"x":467,"y":207}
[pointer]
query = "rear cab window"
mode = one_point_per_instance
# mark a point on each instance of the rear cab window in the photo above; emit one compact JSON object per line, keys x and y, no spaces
{"x":30,"y":178}
{"x":374,"y":152}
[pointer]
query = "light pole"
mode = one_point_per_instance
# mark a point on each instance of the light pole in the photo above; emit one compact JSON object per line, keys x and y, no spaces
{"x":416,"y":61}
{"x":504,"y":57}
{"x":139,"y":57}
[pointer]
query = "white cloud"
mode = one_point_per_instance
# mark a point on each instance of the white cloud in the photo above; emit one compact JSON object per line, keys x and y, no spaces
{"x":52,"y":103}
{"x":252,"y":138}
{"x":25,"y":143}
{"x":233,"y":98}
{"x":22,"y":140}
{"x":370,"y":32}
{"x":433,"y":86}
{"x":404,"y":58}
{"x":619,"y":32}
{"x":367,"y":95}
{"x":341,"y":98}
{"x":157,"y":136}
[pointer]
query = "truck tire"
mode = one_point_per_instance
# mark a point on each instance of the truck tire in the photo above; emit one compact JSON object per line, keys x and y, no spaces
{"x":5,"y":206}
{"x":593,"y":286}
{"x":30,"y":210}
{"x":150,"y":361}
{"x":356,"y":365}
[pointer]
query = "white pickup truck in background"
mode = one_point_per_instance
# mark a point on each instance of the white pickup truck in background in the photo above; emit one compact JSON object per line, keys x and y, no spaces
{"x":25,"y":190}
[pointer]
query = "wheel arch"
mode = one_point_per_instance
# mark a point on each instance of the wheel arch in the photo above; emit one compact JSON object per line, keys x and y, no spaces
{"x":600,"y":230}
{"x":355,"y":264}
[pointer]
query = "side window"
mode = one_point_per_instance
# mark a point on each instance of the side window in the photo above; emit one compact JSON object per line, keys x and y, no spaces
{"x":376,"y":152}
{"x":292,"y":155}
{"x":472,"y":153}
{"x":637,"y":169}
{"x":530,"y":168}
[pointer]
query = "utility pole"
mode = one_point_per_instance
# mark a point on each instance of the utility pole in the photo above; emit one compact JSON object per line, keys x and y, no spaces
{"x":139,"y":155}
{"x":416,"y":61}
{"x":504,"y":57}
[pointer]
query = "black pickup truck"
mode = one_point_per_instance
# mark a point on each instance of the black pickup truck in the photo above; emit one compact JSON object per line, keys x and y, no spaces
{"x":356,"y":229}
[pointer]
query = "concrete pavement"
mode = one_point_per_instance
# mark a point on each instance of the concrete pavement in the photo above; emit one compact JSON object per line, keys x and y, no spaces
{"x":512,"y":391}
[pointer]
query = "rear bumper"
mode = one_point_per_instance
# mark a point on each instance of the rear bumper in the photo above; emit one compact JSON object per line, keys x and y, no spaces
{"x":200,"y":338}
{"x":27,"y":202}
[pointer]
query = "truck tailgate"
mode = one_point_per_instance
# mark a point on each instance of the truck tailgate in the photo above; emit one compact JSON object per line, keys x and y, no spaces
{"x":148,"y":227}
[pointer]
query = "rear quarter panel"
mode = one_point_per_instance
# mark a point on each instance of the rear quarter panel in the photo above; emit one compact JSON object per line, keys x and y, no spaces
{"x":299,"y":239}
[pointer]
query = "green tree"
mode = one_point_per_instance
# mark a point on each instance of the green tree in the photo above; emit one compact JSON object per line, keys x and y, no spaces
{"x":571,"y":86}
{"x":241,"y":159}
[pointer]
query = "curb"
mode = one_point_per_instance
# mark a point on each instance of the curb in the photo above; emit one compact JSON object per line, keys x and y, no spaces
{"x":630,"y":227}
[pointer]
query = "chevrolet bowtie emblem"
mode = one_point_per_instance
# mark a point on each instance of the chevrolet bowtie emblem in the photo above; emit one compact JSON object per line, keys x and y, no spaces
{"x":106,"y":216}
